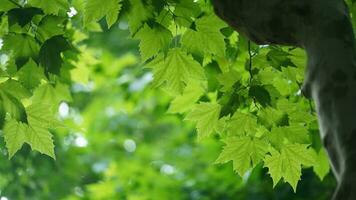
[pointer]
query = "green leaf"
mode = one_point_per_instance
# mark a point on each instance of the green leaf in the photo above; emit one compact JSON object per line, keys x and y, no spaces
{"x":20,"y":19}
{"x":39,"y":114}
{"x":14,"y":135}
{"x":153,"y":40}
{"x":50,"y":6}
{"x":30,"y":75}
{"x":138,"y":15}
{"x":50,"y":54}
{"x":206,"y":115}
{"x":4,"y":25}
{"x":245,"y":152}
{"x":289,"y":134}
{"x":297,"y":112}
{"x":97,"y":9}
{"x":322,"y":166}
{"x":176,"y":70}
{"x":185,"y":11}
{"x":40,"y":139}
{"x":287,"y":164}
{"x":278,"y":58}
{"x":242,"y":123}
{"x":6,"y":5}
{"x":51,"y":96}
{"x":187,"y":100}
{"x":260,"y":94}
{"x":228,"y":79}
{"x":15,"y":88}
{"x":63,"y":92}
{"x":206,"y":39}
{"x":50,"y":26}
{"x":271,"y":117}
{"x":21,"y":46}
{"x":13,"y":106}
{"x":40,"y":119}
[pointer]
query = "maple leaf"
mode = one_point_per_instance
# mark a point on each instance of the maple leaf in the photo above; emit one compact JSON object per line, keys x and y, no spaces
{"x":287,"y":164}
{"x":245,"y":152}
{"x":14,"y":135}
{"x":50,"y":7}
{"x":206,"y":115}
{"x":95,"y":10}
{"x":207,"y":38}
{"x":176,"y":70}
{"x":153,"y":40}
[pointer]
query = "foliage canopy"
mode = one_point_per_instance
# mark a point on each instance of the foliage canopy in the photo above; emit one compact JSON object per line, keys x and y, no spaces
{"x":246,"y":95}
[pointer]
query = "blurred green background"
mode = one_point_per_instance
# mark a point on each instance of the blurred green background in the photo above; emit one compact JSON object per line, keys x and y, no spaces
{"x":120,"y":143}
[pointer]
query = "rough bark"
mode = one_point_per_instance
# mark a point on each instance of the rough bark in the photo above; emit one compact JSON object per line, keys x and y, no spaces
{"x":324,"y":30}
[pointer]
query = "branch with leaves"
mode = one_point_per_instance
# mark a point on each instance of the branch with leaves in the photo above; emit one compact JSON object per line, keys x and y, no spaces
{"x":197,"y":58}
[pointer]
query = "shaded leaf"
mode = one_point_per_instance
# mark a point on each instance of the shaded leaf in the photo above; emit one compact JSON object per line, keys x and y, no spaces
{"x":50,"y":54}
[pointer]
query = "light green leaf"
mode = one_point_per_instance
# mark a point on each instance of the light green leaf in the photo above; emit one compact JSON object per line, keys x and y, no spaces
{"x":51,"y":96}
{"x":21,"y":46}
{"x":40,"y":119}
{"x":185,"y":11}
{"x":63,"y":92}
{"x":14,"y":135}
{"x":289,"y":134}
{"x":206,"y":115}
{"x":228,"y":79}
{"x":50,"y":26}
{"x":50,"y":6}
{"x":274,"y":162}
{"x":138,"y":15}
{"x":97,"y":9}
{"x":245,"y":152}
{"x":39,"y":114}
{"x":322,"y":166}
{"x":30,"y":75}
{"x":207,"y":38}
{"x":187,"y":100}
{"x":153,"y":40}
{"x":15,"y":88}
{"x":40,"y":139}
{"x":270,"y":117}
{"x":242,"y":123}
{"x":176,"y":70}
{"x":287,"y":164}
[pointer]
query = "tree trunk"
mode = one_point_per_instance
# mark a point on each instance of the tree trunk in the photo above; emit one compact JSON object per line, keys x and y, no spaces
{"x":324,"y":30}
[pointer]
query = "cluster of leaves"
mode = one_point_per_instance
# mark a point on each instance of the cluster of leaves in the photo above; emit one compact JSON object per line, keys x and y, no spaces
{"x":247,"y":95}
{"x":126,"y":147}
{"x":33,"y":43}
